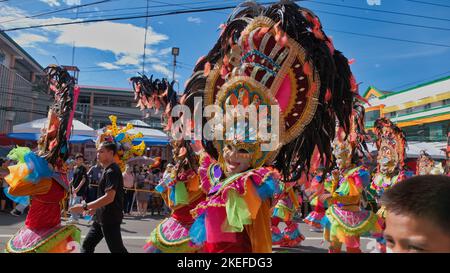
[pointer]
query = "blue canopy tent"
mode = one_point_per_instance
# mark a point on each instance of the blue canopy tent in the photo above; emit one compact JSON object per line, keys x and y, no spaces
{"x":81,"y":133}
{"x":151,"y":141}
{"x":75,"y":139}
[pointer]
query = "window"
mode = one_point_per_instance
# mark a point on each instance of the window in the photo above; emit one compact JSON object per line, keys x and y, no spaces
{"x":393,"y":114}
{"x":119,"y":103}
{"x":446,"y":102}
{"x":427,"y":106}
{"x":372,"y":115}
{"x":84,"y":99}
{"x":102,"y":101}
{"x":2,"y":57}
{"x":409,"y":110}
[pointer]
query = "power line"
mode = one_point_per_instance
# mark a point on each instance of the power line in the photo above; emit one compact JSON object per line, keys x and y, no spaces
{"x":101,"y":11}
{"x":383,"y":21}
{"x":389,"y":38}
{"x":212,"y":9}
{"x":125,"y":18}
{"x":56,"y":11}
{"x":184,"y":6}
{"x":420,"y":81}
{"x":377,"y":10}
{"x":337,"y":14}
{"x":428,"y":3}
{"x":23,"y":110}
{"x":99,"y":69}
{"x":23,"y":96}
{"x":124,"y":69}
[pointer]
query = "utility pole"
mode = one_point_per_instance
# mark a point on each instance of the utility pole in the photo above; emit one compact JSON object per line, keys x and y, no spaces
{"x":73,"y":45}
{"x":145,"y":41}
{"x":175,"y":53}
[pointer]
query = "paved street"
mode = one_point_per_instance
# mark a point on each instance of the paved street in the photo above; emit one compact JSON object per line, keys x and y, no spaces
{"x":136,"y":230}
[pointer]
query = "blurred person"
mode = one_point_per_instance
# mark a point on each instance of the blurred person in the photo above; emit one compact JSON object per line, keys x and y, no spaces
{"x":417,"y":215}
{"x":156,"y":199}
{"x":142,"y":195}
{"x":70,"y":168}
{"x":128,"y":182}
{"x":78,"y":186}
{"x":108,"y":208}
{"x":3,"y":173}
{"x":94,"y":174}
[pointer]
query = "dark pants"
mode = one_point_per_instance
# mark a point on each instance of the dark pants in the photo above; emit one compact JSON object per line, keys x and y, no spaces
{"x":112,"y":235}
{"x":156,"y":203}
{"x":128,"y":201}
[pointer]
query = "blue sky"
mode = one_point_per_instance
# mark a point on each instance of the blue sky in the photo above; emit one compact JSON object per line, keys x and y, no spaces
{"x":108,"y":53}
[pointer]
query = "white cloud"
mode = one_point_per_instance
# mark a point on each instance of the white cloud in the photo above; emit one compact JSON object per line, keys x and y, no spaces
{"x":152,"y":60}
{"x":125,"y":41}
{"x":165,"y":51}
{"x":29,"y":39}
{"x":109,"y":36}
{"x":131,"y":71}
{"x":51,"y":3}
{"x":195,"y":20}
{"x":128,"y":60}
{"x":14,"y":17}
{"x":162,"y":69}
{"x":108,"y":65}
{"x":43,"y":52}
{"x":72,"y":2}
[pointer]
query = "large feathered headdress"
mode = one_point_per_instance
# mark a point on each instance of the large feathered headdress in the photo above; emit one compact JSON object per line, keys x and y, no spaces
{"x":123,"y":140}
{"x":390,"y":136}
{"x":155,"y":94}
{"x":356,"y":139}
{"x":279,"y":54}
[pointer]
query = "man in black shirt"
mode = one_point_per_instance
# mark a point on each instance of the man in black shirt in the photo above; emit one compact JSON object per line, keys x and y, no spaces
{"x":108,"y":208}
{"x":79,"y":185}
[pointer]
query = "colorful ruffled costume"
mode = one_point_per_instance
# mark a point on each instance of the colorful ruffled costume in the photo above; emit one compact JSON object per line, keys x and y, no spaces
{"x":46,"y":186}
{"x":317,"y":188}
{"x":274,"y":64}
{"x":382,"y":182}
{"x":391,"y":144}
{"x":284,"y":210}
{"x":344,"y":220}
{"x":181,"y":194}
{"x":232,"y":217}
{"x":42,"y":231}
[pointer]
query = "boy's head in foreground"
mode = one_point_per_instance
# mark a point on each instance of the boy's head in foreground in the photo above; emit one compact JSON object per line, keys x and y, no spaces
{"x":418,"y":215}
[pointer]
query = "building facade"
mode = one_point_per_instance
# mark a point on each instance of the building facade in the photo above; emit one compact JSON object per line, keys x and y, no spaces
{"x":423,"y":111}
{"x":22,"y":99}
{"x":97,"y":103}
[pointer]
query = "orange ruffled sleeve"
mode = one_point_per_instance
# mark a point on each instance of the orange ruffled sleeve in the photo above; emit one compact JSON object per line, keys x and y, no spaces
{"x":26,"y":188}
{"x":259,"y":231}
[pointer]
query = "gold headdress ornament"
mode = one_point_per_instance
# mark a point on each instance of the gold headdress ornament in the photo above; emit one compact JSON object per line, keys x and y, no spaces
{"x":278,"y":56}
{"x":426,"y":165}
{"x":123,"y":140}
{"x":354,"y":143}
{"x":390,"y":139}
